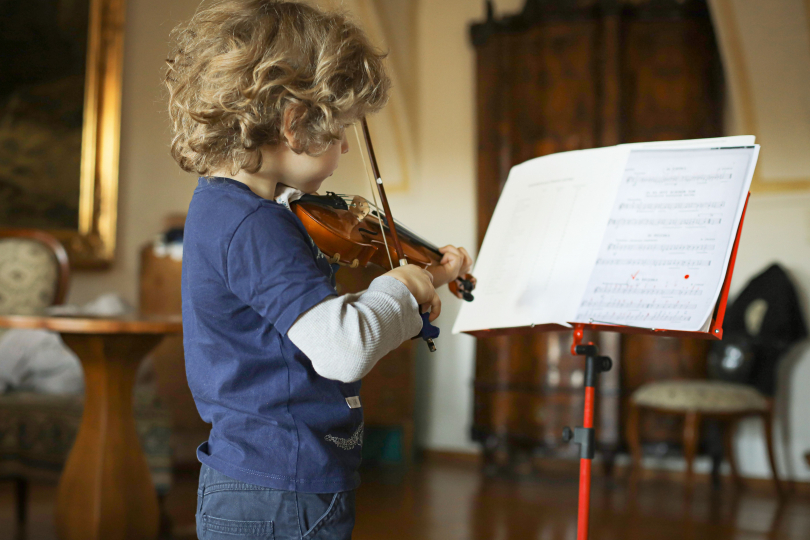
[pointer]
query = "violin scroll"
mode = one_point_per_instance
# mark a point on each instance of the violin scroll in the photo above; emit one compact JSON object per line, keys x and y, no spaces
{"x":463,"y":287}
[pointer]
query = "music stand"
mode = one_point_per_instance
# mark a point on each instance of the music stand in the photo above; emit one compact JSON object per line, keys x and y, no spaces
{"x":595,"y":364}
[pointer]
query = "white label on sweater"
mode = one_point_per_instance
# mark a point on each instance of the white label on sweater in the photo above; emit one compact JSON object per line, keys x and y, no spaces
{"x":354,"y":402}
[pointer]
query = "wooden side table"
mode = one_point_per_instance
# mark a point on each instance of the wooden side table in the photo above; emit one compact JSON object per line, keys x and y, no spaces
{"x":106,"y":491}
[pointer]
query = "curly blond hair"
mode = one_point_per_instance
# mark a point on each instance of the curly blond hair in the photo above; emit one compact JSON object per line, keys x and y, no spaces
{"x":239,"y":65}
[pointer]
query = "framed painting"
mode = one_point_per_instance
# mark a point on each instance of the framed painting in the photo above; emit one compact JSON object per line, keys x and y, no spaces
{"x":60,"y":111}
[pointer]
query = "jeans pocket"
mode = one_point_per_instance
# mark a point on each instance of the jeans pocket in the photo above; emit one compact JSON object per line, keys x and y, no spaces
{"x":214,"y":528}
{"x":337,"y":522}
{"x":313,"y":509}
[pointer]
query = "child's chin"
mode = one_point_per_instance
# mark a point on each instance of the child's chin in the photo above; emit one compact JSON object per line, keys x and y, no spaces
{"x":312,"y":187}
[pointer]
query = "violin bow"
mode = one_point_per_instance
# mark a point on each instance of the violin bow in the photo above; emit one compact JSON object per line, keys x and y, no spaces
{"x":427,"y":329}
{"x":375,"y":170}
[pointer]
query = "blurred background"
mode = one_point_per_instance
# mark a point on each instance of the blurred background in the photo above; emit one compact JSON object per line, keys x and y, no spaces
{"x":474,"y":430}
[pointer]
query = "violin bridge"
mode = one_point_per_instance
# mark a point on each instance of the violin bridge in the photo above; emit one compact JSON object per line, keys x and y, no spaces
{"x":359,"y":207}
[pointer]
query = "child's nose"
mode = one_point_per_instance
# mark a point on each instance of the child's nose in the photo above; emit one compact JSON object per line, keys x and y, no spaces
{"x":344,"y":144}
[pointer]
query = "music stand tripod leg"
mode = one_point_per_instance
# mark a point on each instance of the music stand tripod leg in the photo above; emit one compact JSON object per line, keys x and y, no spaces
{"x":584,"y":436}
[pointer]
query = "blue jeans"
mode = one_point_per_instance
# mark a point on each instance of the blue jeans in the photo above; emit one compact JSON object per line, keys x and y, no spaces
{"x":228,"y":509}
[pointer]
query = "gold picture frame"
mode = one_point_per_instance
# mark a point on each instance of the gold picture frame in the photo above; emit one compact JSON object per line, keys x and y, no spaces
{"x":60,"y":141}
{"x":93,"y":245}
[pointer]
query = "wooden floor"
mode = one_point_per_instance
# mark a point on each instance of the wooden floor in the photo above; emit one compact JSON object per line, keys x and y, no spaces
{"x":446,"y":501}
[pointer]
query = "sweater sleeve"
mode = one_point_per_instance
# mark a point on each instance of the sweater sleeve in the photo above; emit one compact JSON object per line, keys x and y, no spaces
{"x":345,"y":336}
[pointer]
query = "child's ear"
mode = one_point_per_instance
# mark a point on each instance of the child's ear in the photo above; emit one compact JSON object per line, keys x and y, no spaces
{"x":293,"y":114}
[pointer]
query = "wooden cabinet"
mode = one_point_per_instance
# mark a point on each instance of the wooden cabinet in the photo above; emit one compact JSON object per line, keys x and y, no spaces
{"x":566,"y":75}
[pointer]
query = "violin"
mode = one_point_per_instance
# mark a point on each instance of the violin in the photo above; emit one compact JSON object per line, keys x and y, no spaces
{"x":353,"y":232}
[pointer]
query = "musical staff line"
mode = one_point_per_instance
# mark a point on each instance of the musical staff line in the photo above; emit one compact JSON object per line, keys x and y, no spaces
{"x":637,"y":304}
{"x":680,"y":178}
{"x":673,"y":263}
{"x":661,"y":247}
{"x":626,"y":289}
{"x":665,"y":222}
{"x":632,"y":316}
{"x":673,"y":206}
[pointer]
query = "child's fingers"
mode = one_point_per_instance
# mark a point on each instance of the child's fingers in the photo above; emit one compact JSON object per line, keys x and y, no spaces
{"x":453,"y":267}
{"x":449,"y":251}
{"x":418,"y":281}
{"x":448,"y":254}
{"x":468,"y":262}
{"x":452,"y":261}
{"x":435,"y":307}
{"x":453,"y":256}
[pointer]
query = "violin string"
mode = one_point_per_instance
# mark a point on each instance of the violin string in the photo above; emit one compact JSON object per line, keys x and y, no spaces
{"x":401,"y":227}
{"x":373,"y":196}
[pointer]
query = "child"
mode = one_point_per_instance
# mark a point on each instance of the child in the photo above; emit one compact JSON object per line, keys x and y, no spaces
{"x":260,"y":94}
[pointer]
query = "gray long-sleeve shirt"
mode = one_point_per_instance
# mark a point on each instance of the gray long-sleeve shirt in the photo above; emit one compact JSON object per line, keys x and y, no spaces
{"x":345,"y":336}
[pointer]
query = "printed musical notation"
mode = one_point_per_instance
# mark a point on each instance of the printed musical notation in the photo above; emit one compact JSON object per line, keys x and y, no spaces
{"x":646,"y":222}
{"x":661,"y":247}
{"x":647,"y":291}
{"x":684,"y":215}
{"x":634,"y":318}
{"x":672,"y":263}
{"x":672,"y":206}
{"x":637,"y":304}
{"x":677,"y":179}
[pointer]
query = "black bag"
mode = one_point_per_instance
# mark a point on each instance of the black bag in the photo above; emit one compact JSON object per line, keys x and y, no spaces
{"x":762,"y":323}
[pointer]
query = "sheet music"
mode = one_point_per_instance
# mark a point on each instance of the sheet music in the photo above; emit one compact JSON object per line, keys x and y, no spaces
{"x":667,"y":244}
{"x":539,"y":247}
{"x":538,"y":263}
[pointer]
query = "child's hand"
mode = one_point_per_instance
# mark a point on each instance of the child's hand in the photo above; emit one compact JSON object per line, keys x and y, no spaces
{"x":455,"y":262}
{"x":420,"y":282}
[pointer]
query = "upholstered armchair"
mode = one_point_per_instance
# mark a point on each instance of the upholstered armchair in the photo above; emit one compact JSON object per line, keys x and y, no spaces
{"x":37,"y":429}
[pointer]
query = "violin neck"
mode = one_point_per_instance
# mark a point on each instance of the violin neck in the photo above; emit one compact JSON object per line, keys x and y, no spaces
{"x":408,"y":234}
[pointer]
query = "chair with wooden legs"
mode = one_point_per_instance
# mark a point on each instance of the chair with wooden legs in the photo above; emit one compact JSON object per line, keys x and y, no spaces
{"x":698,"y":401}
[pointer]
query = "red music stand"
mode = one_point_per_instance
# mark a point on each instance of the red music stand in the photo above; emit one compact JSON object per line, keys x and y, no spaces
{"x":595,"y":364}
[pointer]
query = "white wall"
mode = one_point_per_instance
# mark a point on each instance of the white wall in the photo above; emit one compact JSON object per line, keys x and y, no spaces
{"x":764,"y":50}
{"x":777,"y":229}
{"x":766,"y":55}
